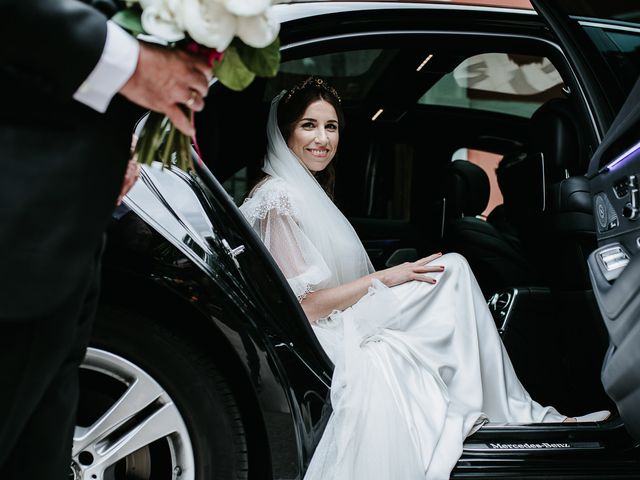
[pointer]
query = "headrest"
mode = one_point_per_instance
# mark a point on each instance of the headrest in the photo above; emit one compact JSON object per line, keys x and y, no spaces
{"x":554,"y":132}
{"x":466,"y":189}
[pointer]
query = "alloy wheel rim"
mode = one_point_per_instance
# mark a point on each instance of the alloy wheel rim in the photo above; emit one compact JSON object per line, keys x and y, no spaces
{"x":118,"y":444}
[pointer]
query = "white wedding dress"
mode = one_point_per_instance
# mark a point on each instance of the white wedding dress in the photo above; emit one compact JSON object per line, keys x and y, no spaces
{"x":418,"y":367}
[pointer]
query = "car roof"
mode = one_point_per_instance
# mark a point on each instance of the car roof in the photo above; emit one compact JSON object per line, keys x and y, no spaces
{"x":292,"y":10}
{"x":522,"y":4}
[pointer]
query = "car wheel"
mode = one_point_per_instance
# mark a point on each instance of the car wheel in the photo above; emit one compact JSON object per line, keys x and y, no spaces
{"x":153,"y":407}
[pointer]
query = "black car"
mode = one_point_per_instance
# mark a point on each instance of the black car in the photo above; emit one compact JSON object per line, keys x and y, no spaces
{"x":507,"y":134}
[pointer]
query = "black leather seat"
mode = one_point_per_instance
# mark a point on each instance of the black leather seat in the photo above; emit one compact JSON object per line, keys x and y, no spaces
{"x":495,"y":255}
{"x":546,"y":205}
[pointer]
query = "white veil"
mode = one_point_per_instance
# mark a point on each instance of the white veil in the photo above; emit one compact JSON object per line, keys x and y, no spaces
{"x":318,"y":217}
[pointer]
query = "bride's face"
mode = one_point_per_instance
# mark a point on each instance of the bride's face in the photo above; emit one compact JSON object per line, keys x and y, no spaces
{"x":314,"y":137}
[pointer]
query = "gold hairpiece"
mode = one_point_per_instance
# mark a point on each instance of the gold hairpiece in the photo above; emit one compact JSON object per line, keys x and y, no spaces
{"x":312,"y":82}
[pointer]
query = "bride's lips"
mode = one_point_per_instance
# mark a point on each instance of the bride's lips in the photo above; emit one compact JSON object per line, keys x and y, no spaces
{"x":318,"y":152}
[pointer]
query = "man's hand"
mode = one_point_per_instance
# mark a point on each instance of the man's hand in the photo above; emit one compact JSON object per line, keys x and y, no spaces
{"x":166,"y":78}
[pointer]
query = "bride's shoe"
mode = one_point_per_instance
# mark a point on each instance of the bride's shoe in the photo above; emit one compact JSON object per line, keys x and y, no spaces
{"x":598,"y":416}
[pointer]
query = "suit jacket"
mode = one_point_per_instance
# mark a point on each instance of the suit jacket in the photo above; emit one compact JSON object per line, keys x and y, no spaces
{"x":61,"y":163}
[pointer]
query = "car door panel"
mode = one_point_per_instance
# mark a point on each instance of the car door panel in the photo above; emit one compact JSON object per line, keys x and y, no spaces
{"x":614,"y":174}
{"x":617,"y":300}
{"x":615,"y":266}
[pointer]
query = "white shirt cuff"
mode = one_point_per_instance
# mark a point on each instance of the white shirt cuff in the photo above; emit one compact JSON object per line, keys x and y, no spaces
{"x":116,"y":65}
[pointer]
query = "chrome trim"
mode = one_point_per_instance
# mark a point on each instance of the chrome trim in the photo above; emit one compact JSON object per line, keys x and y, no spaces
{"x":609,"y":26}
{"x":444,"y":214}
{"x":291,"y":11}
{"x":544,"y":183}
{"x":529,"y":447}
{"x":513,"y":296}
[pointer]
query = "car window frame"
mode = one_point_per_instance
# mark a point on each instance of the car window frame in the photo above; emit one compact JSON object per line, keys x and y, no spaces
{"x":606,"y":94}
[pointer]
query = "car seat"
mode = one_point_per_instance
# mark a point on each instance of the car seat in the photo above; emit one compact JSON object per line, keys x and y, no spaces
{"x":495,"y":255}
{"x":546,"y":206}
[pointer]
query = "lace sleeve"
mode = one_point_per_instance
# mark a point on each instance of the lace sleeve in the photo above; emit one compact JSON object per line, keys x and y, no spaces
{"x":272,"y":215}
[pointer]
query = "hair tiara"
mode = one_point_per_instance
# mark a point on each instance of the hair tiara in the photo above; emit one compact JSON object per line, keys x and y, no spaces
{"x":312,"y":82}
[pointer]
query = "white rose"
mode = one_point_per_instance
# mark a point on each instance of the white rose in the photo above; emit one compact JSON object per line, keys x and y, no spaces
{"x":160,"y":21}
{"x":258,"y":31}
{"x":208,"y":23}
{"x":247,"y":8}
{"x":150,"y":3}
{"x":175,"y":7}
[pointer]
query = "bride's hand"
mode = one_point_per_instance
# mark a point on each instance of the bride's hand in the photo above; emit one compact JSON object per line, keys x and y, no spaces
{"x":409,"y":271}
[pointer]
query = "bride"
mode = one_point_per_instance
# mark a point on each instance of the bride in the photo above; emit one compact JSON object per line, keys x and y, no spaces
{"x":419,"y":364}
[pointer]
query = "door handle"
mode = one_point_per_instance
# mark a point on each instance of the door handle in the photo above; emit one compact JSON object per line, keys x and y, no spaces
{"x":632,"y":209}
{"x":233,"y":252}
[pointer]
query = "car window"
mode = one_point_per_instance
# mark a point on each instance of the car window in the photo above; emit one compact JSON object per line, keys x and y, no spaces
{"x":617,"y":10}
{"x":352,"y":73}
{"x":498,"y":82}
{"x":237,"y":185}
{"x":388,"y":182}
{"x":380,"y":153}
{"x":614,"y":28}
{"x":342,"y":64}
{"x":620,"y":47}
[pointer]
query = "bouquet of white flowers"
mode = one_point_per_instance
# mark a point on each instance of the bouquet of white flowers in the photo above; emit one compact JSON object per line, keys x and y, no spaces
{"x":238,"y":37}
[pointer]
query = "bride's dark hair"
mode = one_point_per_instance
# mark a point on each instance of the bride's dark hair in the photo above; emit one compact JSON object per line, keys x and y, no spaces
{"x":294,"y":104}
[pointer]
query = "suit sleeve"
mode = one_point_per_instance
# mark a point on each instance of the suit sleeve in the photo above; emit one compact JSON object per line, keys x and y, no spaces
{"x":57,"y":41}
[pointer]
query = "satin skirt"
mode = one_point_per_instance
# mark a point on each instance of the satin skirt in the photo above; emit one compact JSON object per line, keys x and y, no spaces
{"x":418,"y":368}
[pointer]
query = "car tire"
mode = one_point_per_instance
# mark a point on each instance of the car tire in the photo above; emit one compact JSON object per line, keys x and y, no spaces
{"x":154,"y":407}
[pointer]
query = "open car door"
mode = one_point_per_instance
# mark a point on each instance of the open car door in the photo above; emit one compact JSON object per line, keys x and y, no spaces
{"x":615,"y":266}
{"x":602,"y":41}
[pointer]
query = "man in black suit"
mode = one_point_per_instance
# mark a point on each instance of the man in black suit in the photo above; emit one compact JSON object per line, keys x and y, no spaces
{"x":62,"y":161}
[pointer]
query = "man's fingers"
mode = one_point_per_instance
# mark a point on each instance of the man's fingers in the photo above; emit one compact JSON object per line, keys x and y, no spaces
{"x":180,"y":120}
{"x":194,"y":74}
{"x":196,"y":81}
{"x":197,"y":63}
{"x":204,"y":69}
{"x":194,"y":101}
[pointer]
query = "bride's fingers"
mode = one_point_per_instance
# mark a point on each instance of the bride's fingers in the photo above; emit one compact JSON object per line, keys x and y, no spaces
{"x":424,"y":278}
{"x":428,"y":268}
{"x":428,"y":259}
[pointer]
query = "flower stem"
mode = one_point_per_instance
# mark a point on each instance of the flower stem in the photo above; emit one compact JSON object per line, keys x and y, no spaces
{"x":160,"y":138}
{"x":184,"y":156}
{"x":150,"y":137}
{"x":168,"y":148}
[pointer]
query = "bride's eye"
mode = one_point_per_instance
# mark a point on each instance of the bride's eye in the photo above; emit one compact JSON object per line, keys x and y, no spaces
{"x":308,"y":125}
{"x":332,"y":127}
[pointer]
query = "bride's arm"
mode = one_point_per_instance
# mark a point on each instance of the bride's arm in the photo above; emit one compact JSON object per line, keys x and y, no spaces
{"x":322,"y":302}
{"x":270,"y":214}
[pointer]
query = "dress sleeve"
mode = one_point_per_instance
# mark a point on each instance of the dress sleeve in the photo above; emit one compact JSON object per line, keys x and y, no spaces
{"x":272,"y":216}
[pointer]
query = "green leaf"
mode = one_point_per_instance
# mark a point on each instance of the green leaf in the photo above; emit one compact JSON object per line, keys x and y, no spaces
{"x":129,"y":19}
{"x":232,"y":72}
{"x":264,"y":62}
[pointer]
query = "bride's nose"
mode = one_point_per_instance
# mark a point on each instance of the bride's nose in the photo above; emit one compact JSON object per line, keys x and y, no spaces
{"x":321,"y":137}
